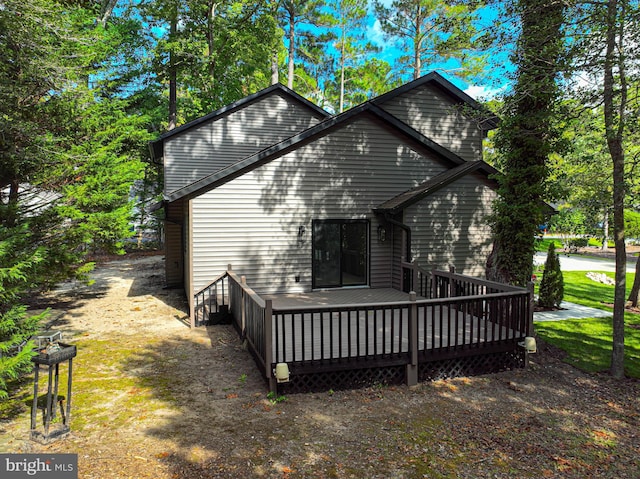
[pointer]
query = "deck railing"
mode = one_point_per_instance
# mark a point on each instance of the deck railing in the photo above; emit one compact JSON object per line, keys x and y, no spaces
{"x":252,"y":318}
{"x":465,"y":322}
{"x":415,"y":278}
{"x":383,"y":331}
{"x":334,"y":333}
{"x":212,"y":299}
{"x":451,"y":284}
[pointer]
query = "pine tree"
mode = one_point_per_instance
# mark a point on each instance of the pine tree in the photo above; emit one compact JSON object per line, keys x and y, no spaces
{"x":68,"y":157}
{"x":16,"y":327}
{"x":552,"y":285}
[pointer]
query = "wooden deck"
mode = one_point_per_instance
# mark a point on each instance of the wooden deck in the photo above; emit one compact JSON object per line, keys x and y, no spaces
{"x":337,"y":297}
{"x":465,"y":325}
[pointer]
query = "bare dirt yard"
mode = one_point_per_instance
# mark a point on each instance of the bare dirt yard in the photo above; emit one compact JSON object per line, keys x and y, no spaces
{"x":154,"y":399}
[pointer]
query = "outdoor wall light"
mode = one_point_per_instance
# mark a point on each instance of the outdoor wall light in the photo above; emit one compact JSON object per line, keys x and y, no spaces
{"x":382,"y":234}
{"x":282,"y":372}
{"x":301,"y":232}
{"x":529,"y":344}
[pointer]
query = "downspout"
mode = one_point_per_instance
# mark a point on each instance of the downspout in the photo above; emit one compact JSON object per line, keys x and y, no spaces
{"x":406,"y":228}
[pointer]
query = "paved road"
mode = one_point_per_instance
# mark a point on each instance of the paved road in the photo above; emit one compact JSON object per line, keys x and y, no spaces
{"x":581,"y":263}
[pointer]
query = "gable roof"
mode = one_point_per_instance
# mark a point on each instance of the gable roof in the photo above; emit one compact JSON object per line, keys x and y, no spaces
{"x":156,"y":147}
{"x":404,"y":200}
{"x":489,"y":120}
{"x":412,"y":137}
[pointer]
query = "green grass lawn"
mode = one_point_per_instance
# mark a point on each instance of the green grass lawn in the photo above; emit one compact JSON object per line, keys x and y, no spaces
{"x":588,"y":341}
{"x":542,"y":245}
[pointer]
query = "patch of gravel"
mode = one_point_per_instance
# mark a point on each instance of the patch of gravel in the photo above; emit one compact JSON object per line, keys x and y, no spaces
{"x":191,"y":404}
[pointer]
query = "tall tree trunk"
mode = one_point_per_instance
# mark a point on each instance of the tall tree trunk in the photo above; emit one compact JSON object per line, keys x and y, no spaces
{"x":614,"y":126}
{"x":211,"y":41}
{"x":417,"y":45}
{"x":605,"y":230}
{"x":275,"y":77}
{"x":173,"y":73}
{"x":342,"y":53}
{"x":11,"y":210}
{"x":107,"y":10}
{"x":525,"y":140}
{"x":292,"y":50}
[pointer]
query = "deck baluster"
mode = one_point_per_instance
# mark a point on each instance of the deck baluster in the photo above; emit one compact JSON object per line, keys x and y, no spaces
{"x":412,"y":367}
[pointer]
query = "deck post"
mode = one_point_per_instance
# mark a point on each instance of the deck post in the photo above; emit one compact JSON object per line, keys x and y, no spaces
{"x":412,"y":366}
{"x":229,"y":279}
{"x":529,"y":329}
{"x":243,"y":312}
{"x":434,"y":285}
{"x":268,"y":345}
{"x":452,"y":290}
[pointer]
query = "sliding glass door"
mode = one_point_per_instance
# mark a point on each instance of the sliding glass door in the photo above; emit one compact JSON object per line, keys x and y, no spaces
{"x":340,"y":253}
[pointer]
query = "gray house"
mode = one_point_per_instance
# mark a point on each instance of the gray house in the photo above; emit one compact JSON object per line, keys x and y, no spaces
{"x":299,"y":200}
{"x":341,"y":231}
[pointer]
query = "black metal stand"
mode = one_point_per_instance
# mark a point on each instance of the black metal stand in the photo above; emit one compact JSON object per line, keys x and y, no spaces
{"x":49,"y":402}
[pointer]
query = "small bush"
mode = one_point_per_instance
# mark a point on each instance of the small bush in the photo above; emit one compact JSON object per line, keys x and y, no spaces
{"x":552,"y":286}
{"x":574,"y":244}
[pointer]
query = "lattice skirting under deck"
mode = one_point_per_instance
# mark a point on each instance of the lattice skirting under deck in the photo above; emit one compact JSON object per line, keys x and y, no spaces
{"x":344,"y":379}
{"x":427,"y":371}
{"x":472,"y":365}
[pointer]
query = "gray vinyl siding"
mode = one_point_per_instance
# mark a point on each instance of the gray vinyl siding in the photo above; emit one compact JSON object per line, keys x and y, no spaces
{"x":450,"y":227}
{"x":439,"y":118}
{"x":209,"y":147}
{"x":252,"y":221}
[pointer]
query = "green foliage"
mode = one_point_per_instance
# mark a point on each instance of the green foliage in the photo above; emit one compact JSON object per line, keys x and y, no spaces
{"x":275,"y":398}
{"x":574,"y":244}
{"x":222,"y":51}
{"x":16,"y":329}
{"x":347,"y":19}
{"x":632,"y":224}
{"x":570,"y":221}
{"x":20,"y":264}
{"x":552,"y":286}
{"x":68,"y":158}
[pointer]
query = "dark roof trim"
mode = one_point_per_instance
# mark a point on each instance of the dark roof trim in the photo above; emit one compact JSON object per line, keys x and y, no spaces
{"x":156,"y":149}
{"x":158,"y":205}
{"x":404,"y":200}
{"x":489,"y":120}
{"x":296,"y":141}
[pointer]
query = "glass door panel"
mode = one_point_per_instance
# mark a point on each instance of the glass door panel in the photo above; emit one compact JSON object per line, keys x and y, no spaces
{"x":340,"y":253}
{"x":326,"y":254}
{"x":354,"y":254}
